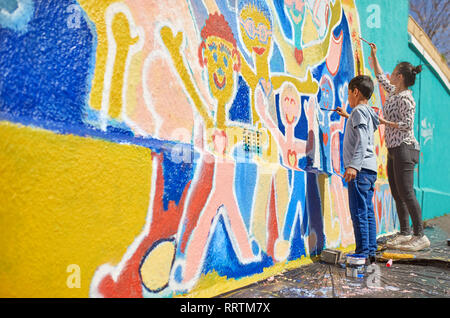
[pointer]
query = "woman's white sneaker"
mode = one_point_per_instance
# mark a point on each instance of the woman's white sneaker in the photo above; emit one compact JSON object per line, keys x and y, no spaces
{"x":417,"y":243}
{"x":397,"y":240}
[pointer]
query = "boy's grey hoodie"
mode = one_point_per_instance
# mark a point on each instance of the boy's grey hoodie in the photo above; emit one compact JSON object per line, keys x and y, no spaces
{"x":358,"y":138}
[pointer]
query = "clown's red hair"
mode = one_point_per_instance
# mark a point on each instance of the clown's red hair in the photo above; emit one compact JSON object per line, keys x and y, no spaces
{"x":216,"y":25}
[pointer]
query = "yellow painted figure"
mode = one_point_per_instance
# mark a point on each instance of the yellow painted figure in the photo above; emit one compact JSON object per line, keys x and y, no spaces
{"x":255,"y":29}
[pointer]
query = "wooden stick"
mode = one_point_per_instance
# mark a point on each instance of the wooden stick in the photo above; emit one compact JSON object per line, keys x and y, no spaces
{"x":365,"y":40}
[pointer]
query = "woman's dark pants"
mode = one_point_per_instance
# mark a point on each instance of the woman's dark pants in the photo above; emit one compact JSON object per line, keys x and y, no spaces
{"x":400,"y":168}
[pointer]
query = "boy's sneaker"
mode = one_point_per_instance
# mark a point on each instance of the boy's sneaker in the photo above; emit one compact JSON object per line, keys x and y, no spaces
{"x":417,"y":243}
{"x":397,"y":240}
{"x":370,"y":260}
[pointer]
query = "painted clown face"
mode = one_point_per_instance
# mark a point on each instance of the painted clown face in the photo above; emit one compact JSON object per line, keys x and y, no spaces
{"x":220,"y":62}
{"x":255,"y":31}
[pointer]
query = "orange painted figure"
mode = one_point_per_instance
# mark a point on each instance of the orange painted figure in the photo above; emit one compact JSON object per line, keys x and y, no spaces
{"x":218,"y":54}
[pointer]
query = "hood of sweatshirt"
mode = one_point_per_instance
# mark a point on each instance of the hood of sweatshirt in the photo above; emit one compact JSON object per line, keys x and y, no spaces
{"x":375,"y":118}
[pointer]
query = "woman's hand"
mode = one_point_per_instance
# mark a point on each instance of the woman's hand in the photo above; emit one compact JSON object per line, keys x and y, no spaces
{"x":342,"y":112}
{"x":373,"y":49}
{"x":376,"y":64}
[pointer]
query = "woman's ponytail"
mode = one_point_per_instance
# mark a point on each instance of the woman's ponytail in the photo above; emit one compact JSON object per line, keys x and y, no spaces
{"x":416,"y":70}
{"x":409,"y":72}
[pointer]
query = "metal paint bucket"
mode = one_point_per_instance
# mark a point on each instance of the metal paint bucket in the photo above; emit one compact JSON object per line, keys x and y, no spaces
{"x":355,"y":266}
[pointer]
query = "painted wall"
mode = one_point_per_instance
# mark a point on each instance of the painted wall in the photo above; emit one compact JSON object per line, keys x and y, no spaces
{"x":159,"y":149}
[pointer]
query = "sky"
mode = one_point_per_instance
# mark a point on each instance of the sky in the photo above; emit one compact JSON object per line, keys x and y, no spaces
{"x":441,"y":39}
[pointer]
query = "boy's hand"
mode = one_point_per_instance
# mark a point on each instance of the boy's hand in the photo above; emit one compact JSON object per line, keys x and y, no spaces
{"x":388,"y":123}
{"x":350,"y":174}
{"x":342,"y":112}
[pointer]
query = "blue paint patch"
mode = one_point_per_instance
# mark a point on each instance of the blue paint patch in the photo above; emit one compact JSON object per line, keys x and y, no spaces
{"x":276,"y":62}
{"x":297,"y":204}
{"x":199,"y":12}
{"x":297,"y":243}
{"x":9,"y":5}
{"x":222,"y":258}
{"x":178,"y":274}
{"x":318,"y":71}
{"x":314,"y":211}
{"x":46,"y":83}
{"x":15,"y":14}
{"x":284,"y":20}
{"x":304,"y":163}
{"x":176,"y":177}
{"x":245,"y":183}
{"x":301,"y":129}
{"x":346,"y":66}
{"x":240,"y":109}
{"x":277,"y":107}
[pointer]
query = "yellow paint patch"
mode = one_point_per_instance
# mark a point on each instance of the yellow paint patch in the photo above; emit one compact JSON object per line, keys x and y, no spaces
{"x":282,"y":195}
{"x":260,"y":211}
{"x":123,"y":40}
{"x":282,"y":249}
{"x":96,"y":12}
{"x":133,"y":82}
{"x":397,"y":255}
{"x":173,"y":45}
{"x":155,"y":269}
{"x":292,"y":159}
{"x":66,"y":200}
{"x":309,"y":30}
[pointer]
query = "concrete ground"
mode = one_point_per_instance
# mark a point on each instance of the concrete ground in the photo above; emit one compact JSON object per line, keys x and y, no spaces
{"x":425,"y":276}
{"x":442,"y":222}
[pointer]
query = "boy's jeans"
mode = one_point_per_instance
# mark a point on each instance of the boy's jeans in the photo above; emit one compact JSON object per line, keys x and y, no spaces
{"x":360,"y":194}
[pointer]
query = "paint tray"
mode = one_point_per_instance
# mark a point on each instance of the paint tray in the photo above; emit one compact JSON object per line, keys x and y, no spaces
{"x":330,"y":256}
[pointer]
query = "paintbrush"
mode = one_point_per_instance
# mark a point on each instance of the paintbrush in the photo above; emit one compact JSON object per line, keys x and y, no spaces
{"x":365,"y":40}
{"x":330,"y":110}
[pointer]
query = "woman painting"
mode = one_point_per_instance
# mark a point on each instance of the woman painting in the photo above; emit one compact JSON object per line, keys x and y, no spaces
{"x":403,"y":151}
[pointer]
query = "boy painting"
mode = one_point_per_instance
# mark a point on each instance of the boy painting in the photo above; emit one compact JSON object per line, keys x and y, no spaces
{"x":360,"y":163}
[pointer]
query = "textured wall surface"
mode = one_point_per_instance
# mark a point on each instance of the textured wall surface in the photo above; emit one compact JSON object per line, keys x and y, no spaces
{"x":157,"y":149}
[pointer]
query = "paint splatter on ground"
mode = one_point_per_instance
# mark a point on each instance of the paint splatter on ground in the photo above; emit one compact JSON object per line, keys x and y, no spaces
{"x":427,"y":276}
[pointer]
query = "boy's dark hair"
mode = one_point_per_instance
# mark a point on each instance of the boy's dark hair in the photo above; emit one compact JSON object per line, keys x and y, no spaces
{"x":363,"y":83}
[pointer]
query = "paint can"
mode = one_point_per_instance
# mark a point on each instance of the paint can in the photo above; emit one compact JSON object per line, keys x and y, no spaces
{"x":355,"y":266}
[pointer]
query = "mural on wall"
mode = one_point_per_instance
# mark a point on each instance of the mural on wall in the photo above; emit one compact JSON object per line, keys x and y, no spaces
{"x":234,"y":98}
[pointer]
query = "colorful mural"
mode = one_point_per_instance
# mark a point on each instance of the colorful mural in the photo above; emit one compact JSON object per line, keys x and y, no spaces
{"x":231,"y":104}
